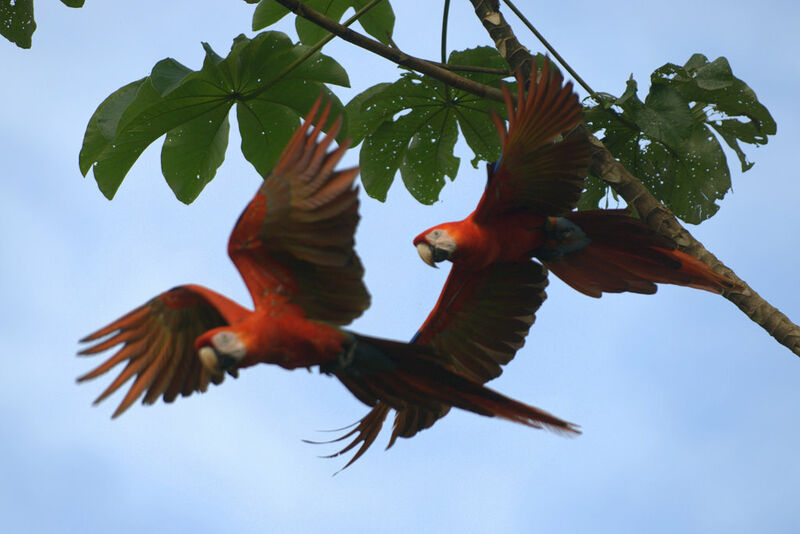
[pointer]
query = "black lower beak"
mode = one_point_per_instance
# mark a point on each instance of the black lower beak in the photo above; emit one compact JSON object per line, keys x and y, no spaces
{"x":440,"y":254}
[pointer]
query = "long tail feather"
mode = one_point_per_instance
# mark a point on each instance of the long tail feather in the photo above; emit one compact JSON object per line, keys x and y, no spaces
{"x":624,"y":254}
{"x":401,"y":375}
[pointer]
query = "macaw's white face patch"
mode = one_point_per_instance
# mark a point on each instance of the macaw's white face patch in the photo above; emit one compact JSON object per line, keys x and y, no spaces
{"x":229,"y":344}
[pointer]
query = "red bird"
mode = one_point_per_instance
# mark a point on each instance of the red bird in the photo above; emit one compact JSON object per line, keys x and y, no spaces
{"x":526,"y":212}
{"x":293,"y":246}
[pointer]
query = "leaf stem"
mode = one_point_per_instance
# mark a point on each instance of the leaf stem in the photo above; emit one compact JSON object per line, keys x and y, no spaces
{"x":552,"y":50}
{"x":445,"y":14}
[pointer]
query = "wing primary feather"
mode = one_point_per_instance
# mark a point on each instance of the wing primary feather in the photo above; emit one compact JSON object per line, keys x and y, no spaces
{"x":133,"y":367}
{"x":144,"y":380}
{"x":129,"y":352}
{"x":128,"y":320}
{"x":162,"y":381}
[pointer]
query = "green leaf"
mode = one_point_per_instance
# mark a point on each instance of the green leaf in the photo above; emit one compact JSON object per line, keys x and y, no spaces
{"x":688,"y":177}
{"x":265,"y":129}
{"x":665,"y":116}
{"x":380,"y":157}
{"x":168,"y":74}
{"x":102,"y":127}
{"x":16,"y":22}
{"x":690,"y":181}
{"x":377,"y":22}
{"x":267,"y":13}
{"x":361,"y":120}
{"x":193,"y":151}
{"x":472,"y":112}
{"x":267,"y":123}
{"x":192,"y":108}
{"x":412,"y":125}
{"x":596,"y":190}
{"x":73,"y":3}
{"x":730,"y":105}
{"x":430,"y":155}
{"x":667,"y":140}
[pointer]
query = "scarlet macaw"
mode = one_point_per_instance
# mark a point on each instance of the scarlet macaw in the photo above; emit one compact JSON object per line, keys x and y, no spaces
{"x":526,"y":212}
{"x":294,"y":247}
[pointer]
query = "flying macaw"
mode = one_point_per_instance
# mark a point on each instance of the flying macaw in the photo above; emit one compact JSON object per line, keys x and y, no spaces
{"x":526,"y":212}
{"x":294,"y":247}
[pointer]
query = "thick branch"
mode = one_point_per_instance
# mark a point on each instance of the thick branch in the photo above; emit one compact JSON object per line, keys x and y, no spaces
{"x":637,"y":195}
{"x":604,"y":164}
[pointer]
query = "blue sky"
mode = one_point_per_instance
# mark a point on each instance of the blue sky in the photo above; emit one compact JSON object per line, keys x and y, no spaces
{"x":689,"y":409}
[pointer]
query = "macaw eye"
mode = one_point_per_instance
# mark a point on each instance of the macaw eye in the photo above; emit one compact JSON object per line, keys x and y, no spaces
{"x":436,"y":233}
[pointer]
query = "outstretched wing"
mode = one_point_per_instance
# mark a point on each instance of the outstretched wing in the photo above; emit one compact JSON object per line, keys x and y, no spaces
{"x":157,"y":341}
{"x":480,"y":321}
{"x":296,"y":237}
{"x":535,"y":173}
{"x":482,"y":318}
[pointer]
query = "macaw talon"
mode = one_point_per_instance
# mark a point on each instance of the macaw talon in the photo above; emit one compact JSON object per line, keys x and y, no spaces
{"x":427,"y":253}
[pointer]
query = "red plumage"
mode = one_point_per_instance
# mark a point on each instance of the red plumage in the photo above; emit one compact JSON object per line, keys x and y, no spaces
{"x":525,"y":213}
{"x":294,"y":248}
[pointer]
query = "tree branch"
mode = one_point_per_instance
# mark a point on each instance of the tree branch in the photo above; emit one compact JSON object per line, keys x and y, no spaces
{"x":392,"y":54}
{"x":637,"y":195}
{"x":604,"y":164}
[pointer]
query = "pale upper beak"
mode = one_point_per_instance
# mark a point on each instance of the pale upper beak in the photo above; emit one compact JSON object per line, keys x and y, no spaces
{"x":208,"y":357}
{"x":426,"y":253}
{"x":215,"y":363}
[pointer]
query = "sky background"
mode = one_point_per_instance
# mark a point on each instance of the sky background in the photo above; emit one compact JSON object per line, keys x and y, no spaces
{"x":690,"y":411}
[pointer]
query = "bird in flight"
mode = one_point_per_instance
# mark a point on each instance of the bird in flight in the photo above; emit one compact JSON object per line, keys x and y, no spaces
{"x":524,"y":220}
{"x":294,"y":248}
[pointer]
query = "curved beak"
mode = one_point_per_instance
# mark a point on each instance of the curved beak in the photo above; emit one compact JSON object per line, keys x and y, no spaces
{"x":426,"y":253}
{"x":217,"y":364}
{"x":208,"y":357}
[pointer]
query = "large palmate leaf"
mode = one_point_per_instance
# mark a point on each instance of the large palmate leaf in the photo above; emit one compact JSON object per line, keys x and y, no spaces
{"x":192,"y":108}
{"x":412,"y":125}
{"x":378,"y":21}
{"x":723,"y":98}
{"x":667,"y":140}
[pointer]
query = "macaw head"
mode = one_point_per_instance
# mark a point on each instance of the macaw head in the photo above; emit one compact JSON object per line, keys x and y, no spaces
{"x":435,"y":245}
{"x":221,"y":350}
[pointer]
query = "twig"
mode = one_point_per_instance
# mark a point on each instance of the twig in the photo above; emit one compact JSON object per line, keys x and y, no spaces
{"x":445,"y":13}
{"x":393,"y":54}
{"x":552,"y":50}
{"x":472,"y":68}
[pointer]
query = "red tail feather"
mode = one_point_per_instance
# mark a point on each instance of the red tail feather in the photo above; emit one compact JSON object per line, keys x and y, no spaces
{"x":401,"y":375}
{"x":627,"y":255}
